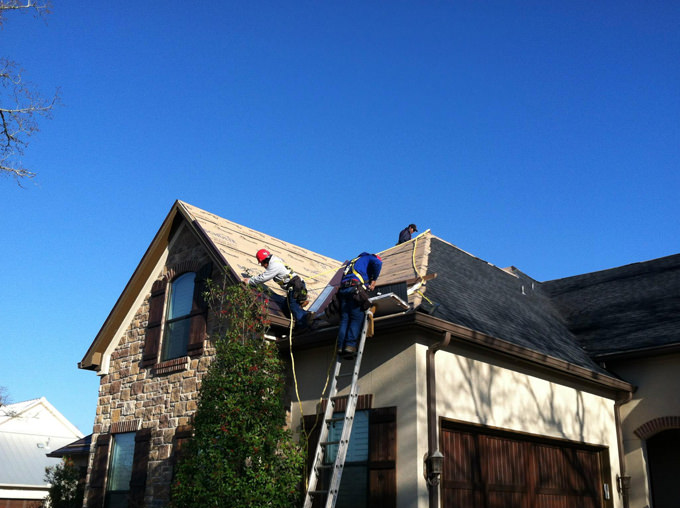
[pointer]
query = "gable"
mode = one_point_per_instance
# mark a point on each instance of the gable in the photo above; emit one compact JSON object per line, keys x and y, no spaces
{"x":231,"y":248}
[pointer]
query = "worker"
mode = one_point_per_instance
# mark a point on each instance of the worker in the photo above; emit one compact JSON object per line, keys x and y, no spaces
{"x":359,"y":277}
{"x":284,"y":276}
{"x":405,"y":234}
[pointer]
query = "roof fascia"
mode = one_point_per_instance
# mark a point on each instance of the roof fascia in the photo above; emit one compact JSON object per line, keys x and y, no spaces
{"x":153,"y":258}
{"x":638,"y":353}
{"x":476,"y":340}
{"x":520,"y":353}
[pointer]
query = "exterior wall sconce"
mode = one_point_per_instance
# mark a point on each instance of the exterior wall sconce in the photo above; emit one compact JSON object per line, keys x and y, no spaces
{"x":433,"y":468}
{"x":622,"y":483}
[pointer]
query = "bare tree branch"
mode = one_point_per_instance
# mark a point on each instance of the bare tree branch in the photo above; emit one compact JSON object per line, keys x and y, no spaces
{"x":20,"y":104}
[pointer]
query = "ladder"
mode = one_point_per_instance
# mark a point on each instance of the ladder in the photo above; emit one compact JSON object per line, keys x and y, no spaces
{"x":343,"y":444}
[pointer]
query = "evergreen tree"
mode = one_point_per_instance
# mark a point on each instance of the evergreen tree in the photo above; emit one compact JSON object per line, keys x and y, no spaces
{"x":241,"y":453}
{"x":66,"y":489}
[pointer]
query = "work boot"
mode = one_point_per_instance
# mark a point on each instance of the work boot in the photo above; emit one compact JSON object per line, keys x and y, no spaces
{"x":309,"y":320}
{"x":349,"y":352}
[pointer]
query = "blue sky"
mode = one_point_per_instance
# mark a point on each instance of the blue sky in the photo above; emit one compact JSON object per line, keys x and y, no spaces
{"x":543,"y":135}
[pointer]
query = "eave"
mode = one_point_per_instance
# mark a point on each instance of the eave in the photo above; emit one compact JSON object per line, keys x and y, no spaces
{"x":459,"y":334}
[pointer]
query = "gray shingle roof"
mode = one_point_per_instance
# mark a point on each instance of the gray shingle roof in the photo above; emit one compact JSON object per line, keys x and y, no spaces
{"x":622,"y":309}
{"x":505,"y":304}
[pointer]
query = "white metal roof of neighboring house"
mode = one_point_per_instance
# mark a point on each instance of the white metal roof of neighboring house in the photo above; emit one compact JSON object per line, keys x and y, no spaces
{"x":29,"y":430}
{"x":23,"y":458}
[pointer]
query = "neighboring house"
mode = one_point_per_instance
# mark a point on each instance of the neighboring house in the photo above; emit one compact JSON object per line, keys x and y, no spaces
{"x":489,"y":367}
{"x":29,"y":431}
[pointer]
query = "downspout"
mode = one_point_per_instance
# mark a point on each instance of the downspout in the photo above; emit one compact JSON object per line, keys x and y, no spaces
{"x":432,"y":441}
{"x":622,"y":481}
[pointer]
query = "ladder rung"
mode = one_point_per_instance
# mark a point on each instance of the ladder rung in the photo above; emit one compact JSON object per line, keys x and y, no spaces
{"x":346,"y":374}
{"x":331,"y":420}
{"x":325,"y":466}
{"x":318,"y":492}
{"x":326,"y":443}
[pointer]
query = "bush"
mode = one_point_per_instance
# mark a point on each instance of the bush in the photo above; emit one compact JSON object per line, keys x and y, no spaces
{"x":66,"y":490}
{"x":241,"y":454}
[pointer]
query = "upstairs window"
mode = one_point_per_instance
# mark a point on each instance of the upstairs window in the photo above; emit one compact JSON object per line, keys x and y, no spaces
{"x":178,"y":318}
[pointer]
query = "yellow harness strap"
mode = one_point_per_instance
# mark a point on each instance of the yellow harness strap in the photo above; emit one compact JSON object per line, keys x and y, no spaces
{"x":350,"y":266}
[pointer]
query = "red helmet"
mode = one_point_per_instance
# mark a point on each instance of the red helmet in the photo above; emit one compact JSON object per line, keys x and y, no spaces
{"x":262,"y":254}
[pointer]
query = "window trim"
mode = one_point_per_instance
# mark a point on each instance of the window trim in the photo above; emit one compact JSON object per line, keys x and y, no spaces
{"x":155,"y":328}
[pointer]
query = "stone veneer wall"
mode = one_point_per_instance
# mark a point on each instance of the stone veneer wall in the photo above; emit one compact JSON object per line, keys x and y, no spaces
{"x":132,"y":397}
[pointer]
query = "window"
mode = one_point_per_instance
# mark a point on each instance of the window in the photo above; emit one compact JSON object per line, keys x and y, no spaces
{"x":369,"y":477}
{"x":178,"y":318}
{"x":178,"y":313}
{"x":120,"y":470}
{"x":354,"y":484}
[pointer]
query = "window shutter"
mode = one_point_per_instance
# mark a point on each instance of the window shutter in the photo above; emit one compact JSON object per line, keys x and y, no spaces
{"x":139,"y":466}
{"x":382,"y":458}
{"x":199,"y":312}
{"x":98,"y":474}
{"x":153,"y":329}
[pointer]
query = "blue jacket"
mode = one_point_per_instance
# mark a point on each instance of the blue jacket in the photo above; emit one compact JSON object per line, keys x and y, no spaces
{"x":367,"y":265}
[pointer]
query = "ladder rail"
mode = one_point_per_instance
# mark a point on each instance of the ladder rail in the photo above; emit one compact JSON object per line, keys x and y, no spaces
{"x":323,"y":437}
{"x":348,"y":420}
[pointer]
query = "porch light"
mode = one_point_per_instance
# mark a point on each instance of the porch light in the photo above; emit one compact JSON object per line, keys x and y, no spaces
{"x":622,"y":483}
{"x":433,"y":468}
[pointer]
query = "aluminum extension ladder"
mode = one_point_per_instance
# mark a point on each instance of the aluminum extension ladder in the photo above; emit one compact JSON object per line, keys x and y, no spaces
{"x":343,"y":444}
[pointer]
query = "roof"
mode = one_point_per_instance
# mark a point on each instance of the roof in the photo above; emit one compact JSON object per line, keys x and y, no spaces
{"x":238,"y":244}
{"x":632,"y":308}
{"x":79,"y":447}
{"x":24,"y":457}
{"x":232,"y":246}
{"x":30,"y":430}
{"x":504,"y":304}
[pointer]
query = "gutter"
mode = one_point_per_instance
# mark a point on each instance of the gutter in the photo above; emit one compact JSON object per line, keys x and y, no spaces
{"x":432,"y":441}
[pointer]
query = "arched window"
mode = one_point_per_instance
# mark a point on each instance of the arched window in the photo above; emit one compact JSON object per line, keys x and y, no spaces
{"x":178,"y":317}
{"x":176,"y":325}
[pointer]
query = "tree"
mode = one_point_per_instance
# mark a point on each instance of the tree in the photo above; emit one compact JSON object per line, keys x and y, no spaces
{"x":66,"y":490}
{"x":241,"y":453}
{"x":4,"y":396}
{"x":20,"y":103}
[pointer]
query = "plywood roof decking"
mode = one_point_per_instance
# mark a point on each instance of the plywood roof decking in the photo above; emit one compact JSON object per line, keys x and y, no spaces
{"x":238,"y":244}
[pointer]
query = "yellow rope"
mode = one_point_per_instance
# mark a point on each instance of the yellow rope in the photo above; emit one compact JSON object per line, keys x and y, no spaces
{"x":297,"y":391}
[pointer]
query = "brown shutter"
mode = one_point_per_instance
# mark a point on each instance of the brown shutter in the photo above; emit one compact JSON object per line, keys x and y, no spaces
{"x":199,"y":312}
{"x":139,"y":466}
{"x":153,"y":329}
{"x":382,"y":458}
{"x":100,"y":465}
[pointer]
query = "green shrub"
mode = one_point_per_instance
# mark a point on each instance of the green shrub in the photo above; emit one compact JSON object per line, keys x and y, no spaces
{"x":241,"y":455}
{"x":66,"y":491}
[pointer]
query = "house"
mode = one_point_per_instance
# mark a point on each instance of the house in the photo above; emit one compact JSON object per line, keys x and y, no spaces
{"x":29,"y":431}
{"x":499,"y":373}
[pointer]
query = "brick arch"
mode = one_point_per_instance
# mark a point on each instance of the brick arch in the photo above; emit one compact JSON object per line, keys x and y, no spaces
{"x":653,"y":427}
{"x":185,"y":266}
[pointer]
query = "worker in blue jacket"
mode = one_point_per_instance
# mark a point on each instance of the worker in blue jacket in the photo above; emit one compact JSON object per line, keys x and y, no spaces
{"x":360,"y":275}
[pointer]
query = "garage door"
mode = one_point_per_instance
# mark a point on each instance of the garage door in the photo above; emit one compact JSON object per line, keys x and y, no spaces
{"x":495,"y":469}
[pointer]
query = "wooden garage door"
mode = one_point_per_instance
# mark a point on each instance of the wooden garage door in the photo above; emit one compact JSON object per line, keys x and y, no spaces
{"x":502,"y":470}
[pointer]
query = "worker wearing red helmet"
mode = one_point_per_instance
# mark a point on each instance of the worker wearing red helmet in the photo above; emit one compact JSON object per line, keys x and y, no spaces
{"x":284,"y":276}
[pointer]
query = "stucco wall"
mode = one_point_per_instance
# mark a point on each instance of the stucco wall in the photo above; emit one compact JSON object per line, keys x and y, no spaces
{"x":470,"y":388}
{"x":657,"y":395}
